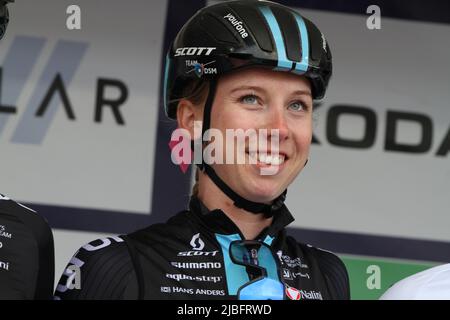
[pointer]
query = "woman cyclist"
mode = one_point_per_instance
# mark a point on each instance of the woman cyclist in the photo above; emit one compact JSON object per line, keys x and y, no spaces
{"x":238,"y":65}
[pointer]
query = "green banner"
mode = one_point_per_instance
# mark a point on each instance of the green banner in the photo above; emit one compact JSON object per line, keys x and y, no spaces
{"x":370,"y":277}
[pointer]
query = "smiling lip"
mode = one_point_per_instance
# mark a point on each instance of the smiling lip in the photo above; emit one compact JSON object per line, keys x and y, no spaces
{"x":266,"y":160}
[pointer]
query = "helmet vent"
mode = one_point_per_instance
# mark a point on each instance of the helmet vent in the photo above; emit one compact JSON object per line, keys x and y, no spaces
{"x":256,"y":25}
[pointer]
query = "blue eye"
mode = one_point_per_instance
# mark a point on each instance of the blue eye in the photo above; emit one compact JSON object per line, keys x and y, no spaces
{"x":297,"y":106}
{"x":249,"y":99}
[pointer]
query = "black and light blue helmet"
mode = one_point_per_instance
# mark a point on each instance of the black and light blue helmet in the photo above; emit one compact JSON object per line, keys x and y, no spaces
{"x":236,"y":34}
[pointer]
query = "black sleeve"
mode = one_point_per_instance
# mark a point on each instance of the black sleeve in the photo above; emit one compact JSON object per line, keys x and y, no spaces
{"x":100,"y":270}
{"x":46,"y":270}
{"x":26,"y":253}
{"x":335,"y":274}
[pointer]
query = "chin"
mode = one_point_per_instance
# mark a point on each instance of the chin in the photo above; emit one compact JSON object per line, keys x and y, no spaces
{"x":263,"y":193}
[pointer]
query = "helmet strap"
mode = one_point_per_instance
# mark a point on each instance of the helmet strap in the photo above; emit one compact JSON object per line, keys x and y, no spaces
{"x":254,"y":207}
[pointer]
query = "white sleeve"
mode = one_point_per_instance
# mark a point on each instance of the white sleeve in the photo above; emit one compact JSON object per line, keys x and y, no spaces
{"x":431,"y":284}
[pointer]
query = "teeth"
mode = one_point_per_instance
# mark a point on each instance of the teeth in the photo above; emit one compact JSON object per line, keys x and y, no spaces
{"x":274,"y":160}
{"x":253,"y":157}
{"x":262,"y":158}
{"x":277,"y":160}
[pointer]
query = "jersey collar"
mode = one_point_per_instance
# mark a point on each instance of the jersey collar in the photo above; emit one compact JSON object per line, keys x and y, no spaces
{"x":218,"y":222}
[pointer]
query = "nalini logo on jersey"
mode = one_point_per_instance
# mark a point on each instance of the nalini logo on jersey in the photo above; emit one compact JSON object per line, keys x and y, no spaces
{"x":311,"y":295}
{"x":293,"y":293}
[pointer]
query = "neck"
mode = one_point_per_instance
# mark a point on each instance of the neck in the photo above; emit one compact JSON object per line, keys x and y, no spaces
{"x":250,"y":224}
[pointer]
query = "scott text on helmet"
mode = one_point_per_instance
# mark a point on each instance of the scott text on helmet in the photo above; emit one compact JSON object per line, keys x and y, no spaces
{"x":194,"y":51}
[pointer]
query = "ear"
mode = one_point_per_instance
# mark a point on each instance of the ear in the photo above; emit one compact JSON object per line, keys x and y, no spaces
{"x":188,"y":116}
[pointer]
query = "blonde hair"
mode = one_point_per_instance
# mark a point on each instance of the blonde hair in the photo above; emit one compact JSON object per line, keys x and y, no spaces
{"x":194,"y":191}
{"x":195,"y":91}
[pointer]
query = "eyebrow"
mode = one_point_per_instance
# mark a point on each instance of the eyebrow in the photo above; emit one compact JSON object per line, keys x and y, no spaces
{"x":256,"y":88}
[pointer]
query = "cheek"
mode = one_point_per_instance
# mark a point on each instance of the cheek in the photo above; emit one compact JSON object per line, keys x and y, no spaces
{"x":231,"y":117}
{"x":302,"y":136}
{"x":227,"y":116}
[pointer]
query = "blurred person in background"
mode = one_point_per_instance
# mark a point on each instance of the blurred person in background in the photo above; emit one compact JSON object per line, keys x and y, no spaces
{"x":431,"y":284}
{"x":27,"y":261}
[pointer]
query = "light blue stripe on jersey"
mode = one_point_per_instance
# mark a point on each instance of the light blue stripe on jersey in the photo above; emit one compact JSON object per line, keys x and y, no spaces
{"x":268,"y":262}
{"x":236,"y":275}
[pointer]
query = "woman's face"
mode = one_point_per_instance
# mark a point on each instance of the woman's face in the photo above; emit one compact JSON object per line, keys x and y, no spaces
{"x":259,"y":98}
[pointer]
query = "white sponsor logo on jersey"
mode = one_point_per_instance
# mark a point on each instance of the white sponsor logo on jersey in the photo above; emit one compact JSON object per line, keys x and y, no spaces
{"x":4,"y":233}
{"x":311,"y":295}
{"x":197,"y":253}
{"x":166,"y":289}
{"x":191,"y":291}
{"x":287,"y":274}
{"x":104,"y":243}
{"x":197,"y":265}
{"x":293,"y":293}
{"x":301,"y":275}
{"x":180,"y":276}
{"x":291,"y":263}
{"x":197,"y":243}
{"x":4,"y":265}
{"x":72,"y":274}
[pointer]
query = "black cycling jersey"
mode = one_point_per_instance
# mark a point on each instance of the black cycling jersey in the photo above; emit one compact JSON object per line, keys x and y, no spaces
{"x":188,"y":258}
{"x":26,"y":253}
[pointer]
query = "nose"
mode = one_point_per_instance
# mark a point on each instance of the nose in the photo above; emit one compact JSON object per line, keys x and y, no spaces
{"x":279,"y":122}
